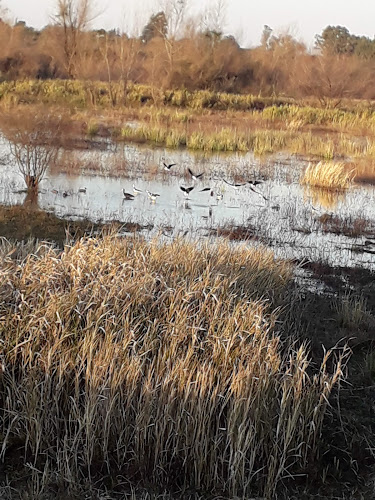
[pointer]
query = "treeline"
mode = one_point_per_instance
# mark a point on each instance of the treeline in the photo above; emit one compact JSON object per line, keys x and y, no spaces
{"x":342,"y":65}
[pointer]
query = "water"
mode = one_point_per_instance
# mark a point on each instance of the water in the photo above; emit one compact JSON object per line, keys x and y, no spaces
{"x":283,"y":214}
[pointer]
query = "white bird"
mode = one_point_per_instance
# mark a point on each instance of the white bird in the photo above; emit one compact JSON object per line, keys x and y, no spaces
{"x":152,"y":196}
{"x":193,"y":175}
{"x":186,"y":191}
{"x":168,"y":167}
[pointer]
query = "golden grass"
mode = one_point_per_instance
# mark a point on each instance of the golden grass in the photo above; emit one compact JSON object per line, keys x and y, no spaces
{"x":156,"y":362}
{"x":329,"y":175}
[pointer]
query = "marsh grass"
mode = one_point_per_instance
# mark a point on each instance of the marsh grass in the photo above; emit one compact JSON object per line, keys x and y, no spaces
{"x":353,"y":313}
{"x":328,"y":175}
{"x":207,"y":121}
{"x":156,"y":362}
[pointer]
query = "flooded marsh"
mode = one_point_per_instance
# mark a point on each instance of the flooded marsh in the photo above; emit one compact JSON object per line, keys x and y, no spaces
{"x":259,"y":200}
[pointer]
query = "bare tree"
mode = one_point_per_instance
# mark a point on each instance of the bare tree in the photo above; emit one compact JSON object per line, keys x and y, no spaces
{"x":33,"y":141}
{"x":214,"y":18}
{"x":175,"y":12}
{"x":74,"y":17}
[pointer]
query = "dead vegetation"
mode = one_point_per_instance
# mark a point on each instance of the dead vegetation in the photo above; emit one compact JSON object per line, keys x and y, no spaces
{"x":328,"y":175}
{"x":147,"y":360}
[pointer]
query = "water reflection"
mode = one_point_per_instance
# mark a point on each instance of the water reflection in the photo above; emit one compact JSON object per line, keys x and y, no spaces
{"x":324,"y":198}
{"x":283,"y":215}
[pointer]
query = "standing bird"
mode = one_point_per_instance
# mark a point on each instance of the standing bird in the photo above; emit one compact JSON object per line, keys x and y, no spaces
{"x":193,"y":175}
{"x":127,"y":196}
{"x":254,"y":183}
{"x":186,"y":191}
{"x":152,"y":196}
{"x":168,"y":167}
{"x":82,"y":190}
{"x":204,"y":189}
{"x":136,"y":190}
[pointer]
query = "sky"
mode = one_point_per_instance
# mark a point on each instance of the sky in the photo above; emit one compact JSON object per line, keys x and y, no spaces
{"x":244,"y":18}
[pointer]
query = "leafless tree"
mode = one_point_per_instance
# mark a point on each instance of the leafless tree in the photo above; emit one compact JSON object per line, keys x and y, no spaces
{"x":33,"y":141}
{"x":214,"y":17}
{"x":74,"y":17}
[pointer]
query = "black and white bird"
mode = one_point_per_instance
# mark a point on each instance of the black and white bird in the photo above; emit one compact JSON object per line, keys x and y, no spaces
{"x":254,"y":183}
{"x":152,"y":196}
{"x":168,"y":167}
{"x":205,"y":189}
{"x":136,"y":190}
{"x":82,"y":190}
{"x":193,"y":175}
{"x":233,"y":185}
{"x":127,"y":196}
{"x":186,"y":191}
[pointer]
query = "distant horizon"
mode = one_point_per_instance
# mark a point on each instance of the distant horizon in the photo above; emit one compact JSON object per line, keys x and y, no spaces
{"x":243,"y":21}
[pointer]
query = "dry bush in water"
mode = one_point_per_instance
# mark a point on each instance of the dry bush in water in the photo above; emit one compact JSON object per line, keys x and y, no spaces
{"x":152,"y":360}
{"x":33,"y":143}
{"x":330,"y":175}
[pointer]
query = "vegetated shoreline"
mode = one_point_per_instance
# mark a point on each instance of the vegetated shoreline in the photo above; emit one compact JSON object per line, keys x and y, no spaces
{"x":171,"y":362}
{"x":203,"y":120}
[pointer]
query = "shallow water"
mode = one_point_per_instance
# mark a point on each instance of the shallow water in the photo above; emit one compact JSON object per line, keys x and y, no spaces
{"x":287,"y":220}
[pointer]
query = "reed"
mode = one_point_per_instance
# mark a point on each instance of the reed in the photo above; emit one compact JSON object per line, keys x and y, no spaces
{"x":156,"y":362}
{"x":328,"y":175}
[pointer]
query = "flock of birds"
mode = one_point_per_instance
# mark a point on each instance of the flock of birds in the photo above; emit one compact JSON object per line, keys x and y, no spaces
{"x":187,"y":190}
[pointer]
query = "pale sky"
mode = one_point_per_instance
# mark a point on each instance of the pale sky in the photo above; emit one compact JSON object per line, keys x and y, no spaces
{"x":244,"y":18}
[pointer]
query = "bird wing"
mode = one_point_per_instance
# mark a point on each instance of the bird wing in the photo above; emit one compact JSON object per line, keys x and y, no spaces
{"x":257,"y":192}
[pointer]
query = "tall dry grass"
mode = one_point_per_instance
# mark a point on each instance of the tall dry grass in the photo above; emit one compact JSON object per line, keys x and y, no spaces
{"x":330,"y":175}
{"x":155,"y":362}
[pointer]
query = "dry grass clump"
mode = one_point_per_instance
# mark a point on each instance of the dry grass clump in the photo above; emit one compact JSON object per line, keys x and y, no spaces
{"x":353,"y":312}
{"x":330,"y":175}
{"x":122,"y":358}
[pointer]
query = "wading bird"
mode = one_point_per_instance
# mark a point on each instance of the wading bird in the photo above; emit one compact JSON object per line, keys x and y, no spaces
{"x":152,"y":196}
{"x":186,"y":191}
{"x":205,"y":189}
{"x":136,"y":190}
{"x":82,"y":190}
{"x":127,"y":196}
{"x":193,"y":175}
{"x":254,"y":183}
